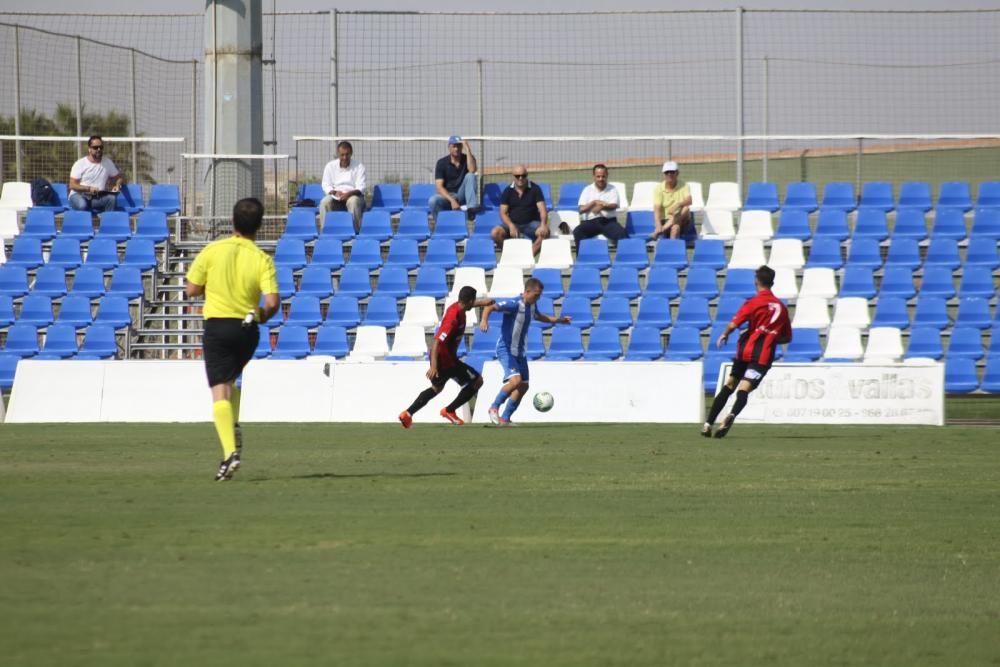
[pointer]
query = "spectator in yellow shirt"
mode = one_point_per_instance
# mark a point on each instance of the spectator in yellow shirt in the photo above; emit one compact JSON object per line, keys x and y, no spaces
{"x":671,"y":204}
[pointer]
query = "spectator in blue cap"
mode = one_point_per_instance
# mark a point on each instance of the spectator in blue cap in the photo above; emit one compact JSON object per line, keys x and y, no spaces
{"x":455,"y":179}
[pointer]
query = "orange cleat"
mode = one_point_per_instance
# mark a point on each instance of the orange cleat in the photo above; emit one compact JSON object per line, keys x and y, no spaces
{"x":451,"y":416}
{"x":405,"y":419}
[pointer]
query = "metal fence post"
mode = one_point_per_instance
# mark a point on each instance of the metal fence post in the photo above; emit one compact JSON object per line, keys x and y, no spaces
{"x":739,"y":97}
{"x":766,"y":110}
{"x":482,"y":129}
{"x":857,"y":174}
{"x":334,"y":84}
{"x":193,"y":141}
{"x":79,"y":96}
{"x":17,"y":101}
{"x":135,"y":124}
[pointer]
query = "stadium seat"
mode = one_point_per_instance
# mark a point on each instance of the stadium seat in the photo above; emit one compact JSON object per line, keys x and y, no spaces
{"x":986,"y":222}
{"x":966,"y":342}
{"x":301,"y":224}
{"x":8,"y":368}
{"x":903,"y":252}
{"x":614,"y":311}
{"x":977,"y":281}
{"x":585,"y":281}
{"x":484,"y":223}
{"x":786,"y":253}
{"x":593,"y":252}
{"x":36,"y":310}
{"x":419,"y":197}
{"x":632,"y":252}
{"x":413,"y":225}
{"x":382,"y":311}
{"x":910,"y":223}
{"x":403,"y":253}
{"x":989,"y":195}
{"x":623,"y":281}
{"x":16,"y":195}
{"x":129,"y":199}
{"x":825,"y":253}
{"x":931,"y":311}
{"x":693,"y":311}
{"x":27,"y":253}
{"x":786,"y":285}
{"x":811,"y":312}
{"x":793,"y":223}
{"x":40,"y":224}
{"x":804,"y":346}
{"x":309,"y":195}
{"x":740,"y":282}
{"x":393,"y":281}
{"x":725,"y":309}
{"x":662,"y":281}
{"x":468,"y":275}
{"x":140,"y":254}
{"x":441,"y":253}
{"x":801,"y":196}
{"x":88,"y":281}
{"x":430,"y":281}
{"x":547,"y":193}
{"x":555,"y":253}
{"x":871,"y":223}
{"x":355,"y":280}
{"x":760,"y":197}
{"x":645,"y":344}
{"x":684,"y":344}
{"x":832,"y":223}
{"x":579,"y":309}
{"x":709,"y":253}
{"x":747,"y":254}
{"x":955,"y":195}
{"x":949,"y":223}
{"x":113,"y":310}
{"x":517,"y":253}
{"x":569,"y":195}
{"x":22,"y":340}
{"x":338,"y":225}
{"x":718,"y":225}
{"x":99,"y":342}
{"x":925,"y":342}
{"x":60,"y":342}
{"x":937,"y":281}
{"x":991,"y":375}
{"x":366,"y":252}
{"x":973,"y":312}
{"x":286,"y":282}
{"x":343,"y":311}
{"x":485,"y":342}
{"x":639,"y":224}
{"x":491,"y":196}
{"x":818,"y":281}
{"x":376,"y":225}
{"x":304,"y":311}
{"x":293,"y":342}
{"x":839,"y":196}
{"x":697,"y":196}
{"x":13,"y":281}
{"x":61,"y":191}
{"x":891,"y":311}
{"x":877,"y":194}
{"x":915,"y":195}
{"x":316,"y":281}
{"x":982,"y":251}
{"x":851,"y":312}
{"x":331,"y":341}
{"x":670,"y":253}
{"x":408,"y":342}
{"x":451,"y":225}
{"x":565,"y":344}
{"x":755,"y":225}
{"x":897,"y":281}
{"x":387,"y":197}
{"x":623,"y":200}
{"x":164,"y":198}
{"x":654,"y":311}
{"x":960,"y":375}
{"x":857,"y":281}
{"x":560,"y":222}
{"x":290,"y":252}
{"x":6,"y":311}
{"x":604,"y":344}
{"x":102,"y":253}
{"x":730,"y":346}
{"x":50,"y":281}
{"x":642,"y":196}
{"x":711,"y":365}
{"x":843,"y":343}
{"x":508,"y":281}
{"x":702,"y":281}
{"x":78,"y":225}
{"x":885,"y":345}
{"x":942,"y":252}
{"x":724,"y":195}
{"x":551,"y":280}
{"x":115,"y":225}
{"x":328,"y":253}
{"x":126,"y":281}
{"x":420,"y":311}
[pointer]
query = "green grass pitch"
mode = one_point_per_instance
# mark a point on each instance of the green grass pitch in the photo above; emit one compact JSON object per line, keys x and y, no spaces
{"x":543,"y":545}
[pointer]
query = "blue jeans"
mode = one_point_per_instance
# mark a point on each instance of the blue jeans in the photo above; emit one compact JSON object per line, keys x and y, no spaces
{"x":468,"y":195}
{"x":93,"y":203}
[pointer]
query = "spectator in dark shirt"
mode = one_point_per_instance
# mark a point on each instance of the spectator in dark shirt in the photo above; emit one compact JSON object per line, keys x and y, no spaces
{"x":522,"y":212}
{"x":455,"y":179}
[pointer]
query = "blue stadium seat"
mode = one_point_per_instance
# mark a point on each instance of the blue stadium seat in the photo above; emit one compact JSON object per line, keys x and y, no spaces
{"x":535,"y":345}
{"x":878,"y":194}
{"x":960,"y":375}
{"x":13,"y":281}
{"x":942,"y":252}
{"x":36,"y":310}
{"x":989,"y":195}
{"x":316,"y":281}
{"x":593,"y":252}
{"x":623,"y":281}
{"x":376,"y":224}
{"x":312,"y":192}
{"x":702,"y":281}
{"x":710,"y":366}
{"x":801,"y":196}
{"x":365,"y":252}
{"x":113,"y":311}
{"x":547,"y":193}
{"x":293,"y":343}
{"x":973,"y":312}
{"x":338,"y":225}
{"x":39,"y":223}
{"x":684,"y":344}
{"x":286,"y":282}
{"x":102,"y":252}
{"x":419,"y":197}
{"x":632,"y":252}
{"x":579,"y":309}
{"x":871,"y":222}
{"x":387,"y":197}
{"x":129,"y":199}
{"x":955,"y":194}
{"x":485,"y":222}
{"x":604,"y":344}
{"x":762,"y":197}
{"x":891,"y":311}
{"x":413,"y":225}
{"x":304,"y":311}
{"x":404,"y":253}
{"x":825,"y":253}
{"x":585,"y":281}
{"x":99,"y":342}
{"x":343,"y":312}
{"x":804,"y":346}
{"x":116,"y":225}
{"x":938,"y":281}
{"x":77,"y":225}
{"x":381,"y":311}
{"x":451,"y":225}
{"x":355,"y":281}
{"x":857,"y":281}
{"x":331,"y":341}
{"x":949,"y":223}
{"x":6,"y":311}
{"x":569,"y":195}
{"x":991,"y":375}
{"x":662,"y":281}
{"x":151,"y":225}
{"x":263,"y":349}
{"x":966,"y":342}
{"x":915,"y":194}
{"x":88,"y":281}
{"x":614,"y":311}
{"x":393,"y":281}
{"x":552,"y":279}
{"x":8,"y":368}
{"x":832,"y":223}
{"x":925,"y":342}
{"x":726,"y":308}
{"x":491,"y":196}
{"x":709,"y":253}
{"x":565,"y":344}
{"x":290,"y":252}
{"x":839,"y":196}
{"x":931,"y":311}
{"x":485,"y":342}
{"x":729,"y":349}
{"x":639,"y":224}
{"x":645,"y":344}
{"x":544,"y":305}
{"x":654,"y":311}
{"x":22,"y":340}
{"x":164,"y":198}
{"x":986,"y":222}
{"x":670,"y":253}
{"x":328,"y":252}
{"x":140,"y":253}
{"x":27,"y":252}
{"x":740,"y":283}
{"x":61,"y":191}
{"x":793,"y":223}
{"x":864,"y":251}
{"x":911,"y":223}
{"x":977,"y":281}
{"x":982,"y":251}
{"x":60,"y":342}
{"x":903,"y":252}
{"x":693,"y":311}
{"x":301,"y":224}
{"x":126,"y":281}
{"x":897,"y":281}
{"x":50,"y":281}
{"x":430,"y":281}
{"x":480,"y":251}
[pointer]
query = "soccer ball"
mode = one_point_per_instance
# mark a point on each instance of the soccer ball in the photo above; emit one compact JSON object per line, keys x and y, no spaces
{"x":543,"y":401}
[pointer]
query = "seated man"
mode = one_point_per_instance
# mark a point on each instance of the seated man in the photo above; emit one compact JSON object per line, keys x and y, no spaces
{"x":94,"y":180}
{"x":522,"y":212}
{"x":597,"y":206}
{"x":344,"y":183}
{"x":671,"y":204}
{"x":455,"y":179}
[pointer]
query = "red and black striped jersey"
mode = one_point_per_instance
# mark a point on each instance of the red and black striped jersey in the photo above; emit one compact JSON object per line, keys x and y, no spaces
{"x":449,"y":334}
{"x":768,"y":325}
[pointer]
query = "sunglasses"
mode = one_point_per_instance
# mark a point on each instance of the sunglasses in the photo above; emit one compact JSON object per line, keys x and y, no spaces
{"x":97,"y":148}
{"x":520,"y":175}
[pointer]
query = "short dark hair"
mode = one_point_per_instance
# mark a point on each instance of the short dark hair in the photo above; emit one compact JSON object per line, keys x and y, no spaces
{"x":95,"y":136}
{"x":248,"y":214}
{"x":598,"y":166}
{"x":532,"y":283}
{"x":765,"y":276}
{"x":467,"y":293}
{"x":345,"y":144}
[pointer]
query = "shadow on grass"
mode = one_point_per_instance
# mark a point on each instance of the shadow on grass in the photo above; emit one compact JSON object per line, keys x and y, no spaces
{"x":332,"y":475}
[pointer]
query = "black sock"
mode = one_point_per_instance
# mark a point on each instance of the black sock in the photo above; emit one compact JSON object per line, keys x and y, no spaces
{"x":718,"y":403}
{"x":468,"y":391}
{"x":422,"y":399}
{"x":740,"y":403}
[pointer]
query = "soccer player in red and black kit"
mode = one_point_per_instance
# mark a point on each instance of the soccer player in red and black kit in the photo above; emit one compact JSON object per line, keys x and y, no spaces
{"x":445,"y":364}
{"x":769,"y":326}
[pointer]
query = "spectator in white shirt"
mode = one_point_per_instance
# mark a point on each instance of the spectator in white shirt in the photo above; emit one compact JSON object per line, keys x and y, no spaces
{"x":344,"y":183}
{"x":597,"y":205}
{"x":94,"y":180}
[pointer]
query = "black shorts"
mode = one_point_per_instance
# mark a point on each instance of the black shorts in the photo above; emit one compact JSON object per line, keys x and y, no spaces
{"x":751,"y":372}
{"x":228,"y":346}
{"x":461,"y":373}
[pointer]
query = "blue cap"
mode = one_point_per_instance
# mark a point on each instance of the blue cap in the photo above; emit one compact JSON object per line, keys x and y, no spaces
{"x":454,"y":139}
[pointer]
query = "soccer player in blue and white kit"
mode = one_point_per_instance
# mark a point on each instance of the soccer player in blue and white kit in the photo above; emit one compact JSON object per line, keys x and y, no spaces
{"x":512,"y":345}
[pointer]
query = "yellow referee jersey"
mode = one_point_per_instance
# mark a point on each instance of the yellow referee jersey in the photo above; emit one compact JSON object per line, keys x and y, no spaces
{"x":235,"y":272}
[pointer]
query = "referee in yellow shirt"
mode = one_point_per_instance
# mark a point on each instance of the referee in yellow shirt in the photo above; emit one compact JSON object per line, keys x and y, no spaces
{"x":231,"y":274}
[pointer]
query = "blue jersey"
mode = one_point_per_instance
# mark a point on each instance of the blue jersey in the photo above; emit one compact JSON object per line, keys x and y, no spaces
{"x":517,"y":315}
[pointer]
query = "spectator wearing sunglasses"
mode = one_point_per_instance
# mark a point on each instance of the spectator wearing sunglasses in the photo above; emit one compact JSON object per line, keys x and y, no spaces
{"x":522,"y":212}
{"x":94,"y":180}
